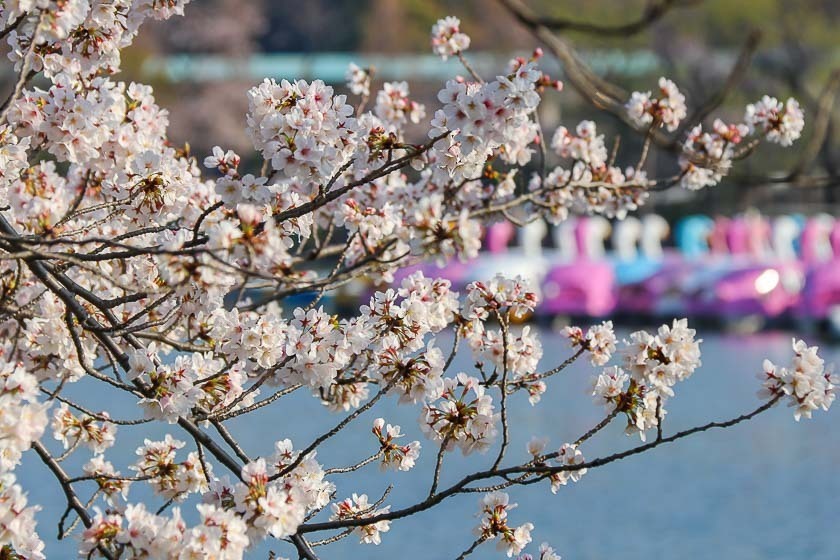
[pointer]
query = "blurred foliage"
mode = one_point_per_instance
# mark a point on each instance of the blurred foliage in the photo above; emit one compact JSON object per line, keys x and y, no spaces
{"x":366,"y":24}
{"x":695,"y":42}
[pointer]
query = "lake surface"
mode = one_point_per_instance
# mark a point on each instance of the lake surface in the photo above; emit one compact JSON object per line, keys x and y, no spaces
{"x":765,"y":489}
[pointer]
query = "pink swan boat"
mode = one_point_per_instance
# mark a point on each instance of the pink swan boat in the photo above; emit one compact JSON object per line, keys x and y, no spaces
{"x":758,"y":283}
{"x":585,"y":286}
{"x":638,"y":272}
{"x":526,"y":259}
{"x":821,"y":253}
{"x":662,"y":294}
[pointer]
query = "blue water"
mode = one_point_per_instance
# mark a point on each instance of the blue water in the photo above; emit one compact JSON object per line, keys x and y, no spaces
{"x":766,"y":489}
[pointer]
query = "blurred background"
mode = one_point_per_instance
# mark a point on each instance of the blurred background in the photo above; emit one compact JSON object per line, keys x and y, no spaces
{"x":202,"y":65}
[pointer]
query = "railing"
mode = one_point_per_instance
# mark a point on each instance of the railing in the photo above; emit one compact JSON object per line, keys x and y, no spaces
{"x":331,"y":67}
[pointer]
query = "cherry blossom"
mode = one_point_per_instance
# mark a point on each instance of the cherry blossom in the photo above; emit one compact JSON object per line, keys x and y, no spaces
{"x":568,"y":456}
{"x":667,"y":109}
{"x":494,"y":523}
{"x":805,"y":385}
{"x":358,"y":80}
{"x":148,"y":290}
{"x":358,"y":506}
{"x":782,"y":123}
{"x":609,"y":386}
{"x":707,"y":156}
{"x":654,"y":363}
{"x":592,"y":185}
{"x":108,"y":479}
{"x":599,"y":341}
{"x":17,"y":520}
{"x":464,"y":416}
{"x":168,"y":477}
{"x":484,"y":118}
{"x":401,"y":457}
{"x":545,"y":553}
{"x":71,"y":430}
{"x":447,"y":38}
{"x":283,"y":127}
{"x":23,"y":418}
{"x":394,"y":107}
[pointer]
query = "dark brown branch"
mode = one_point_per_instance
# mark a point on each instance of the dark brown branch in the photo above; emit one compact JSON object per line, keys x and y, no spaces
{"x":597,"y":428}
{"x":822,"y":120}
{"x":652,"y":13}
{"x":340,"y":426}
{"x":471,"y":548}
{"x":67,"y":290}
{"x":600,"y":93}
{"x":438,"y":465}
{"x":304,"y":550}
{"x":736,"y":74}
{"x":357,"y":466}
{"x":66,"y":487}
{"x":546,"y":470}
{"x":386,"y":169}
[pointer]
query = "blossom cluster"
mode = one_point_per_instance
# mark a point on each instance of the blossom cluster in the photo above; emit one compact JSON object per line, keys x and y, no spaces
{"x":358,"y":507}
{"x":142,"y":534}
{"x":302,"y":128}
{"x":592,"y":184}
{"x":394,"y":107}
{"x":401,"y":457}
{"x":463,"y":416}
{"x":494,"y":524}
{"x":545,"y":552}
{"x":170,"y":478}
{"x":358,"y":80}
{"x":196,"y":379}
{"x":450,"y":234}
{"x":17,"y":520}
{"x":71,"y":121}
{"x":448,"y":39}
{"x":571,"y":457}
{"x":806,"y":385}
{"x":514,"y":355}
{"x":653,"y":364}
{"x":668,"y":109}
{"x":81,"y":37}
{"x":482,"y":118}
{"x":111,"y":483}
{"x":23,"y":418}
{"x":599,"y":340}
{"x":72,"y":430}
{"x":781,"y":123}
{"x":272,"y":499}
{"x":13,"y":160}
{"x":707,"y":156}
{"x":512,"y":297}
